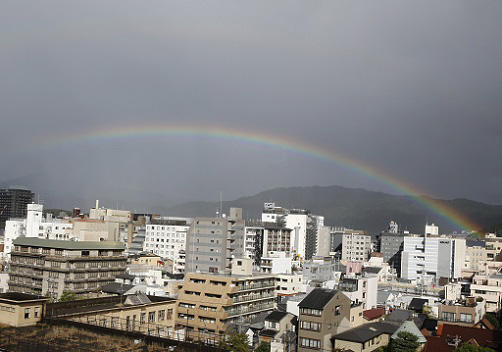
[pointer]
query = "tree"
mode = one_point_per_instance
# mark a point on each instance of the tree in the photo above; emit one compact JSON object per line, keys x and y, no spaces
{"x":236,"y":343}
{"x":263,"y":347}
{"x":467,"y":347}
{"x":68,"y":296}
{"x":405,"y":342}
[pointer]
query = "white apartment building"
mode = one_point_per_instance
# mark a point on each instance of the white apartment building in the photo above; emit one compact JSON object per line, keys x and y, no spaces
{"x":428,"y":258}
{"x":289,"y":284}
{"x":276,"y":264}
{"x":166,"y":237}
{"x":356,"y":247}
{"x":35,"y":225}
{"x":294,"y":219}
{"x":489,"y":287}
{"x":360,"y":289}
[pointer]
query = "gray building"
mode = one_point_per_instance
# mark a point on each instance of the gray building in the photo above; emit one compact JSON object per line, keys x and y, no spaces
{"x":212,"y":242}
{"x":13,"y":202}
{"x":391,"y":245}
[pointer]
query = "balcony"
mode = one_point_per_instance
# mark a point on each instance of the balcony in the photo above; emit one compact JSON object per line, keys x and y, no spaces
{"x":256,"y":286}
{"x":248,"y":310}
{"x":250,"y":298}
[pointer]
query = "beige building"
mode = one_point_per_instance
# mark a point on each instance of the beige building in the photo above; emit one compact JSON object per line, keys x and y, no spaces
{"x":148,"y":259}
{"x":95,"y":230}
{"x":20,"y":309}
{"x":49,"y":267}
{"x":366,"y":338}
{"x":493,"y":247}
{"x":210,"y":302}
{"x":323,"y":313}
{"x":475,"y":256}
{"x":279,"y":331}
{"x":151,"y":315}
{"x":466,"y":312}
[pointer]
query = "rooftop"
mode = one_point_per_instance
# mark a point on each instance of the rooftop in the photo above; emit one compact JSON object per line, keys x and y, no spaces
{"x":317,"y":298}
{"x":21,"y":297}
{"x":367,"y":332}
{"x":70,"y":245}
{"x":276,"y":316}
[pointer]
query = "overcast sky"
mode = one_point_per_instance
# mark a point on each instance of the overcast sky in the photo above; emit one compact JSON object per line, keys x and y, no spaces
{"x":410,"y":87}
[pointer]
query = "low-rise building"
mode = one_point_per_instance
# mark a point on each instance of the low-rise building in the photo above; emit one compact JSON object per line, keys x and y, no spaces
{"x":361,"y":289}
{"x":21,"y":309}
{"x":49,"y":267}
{"x":135,"y":312}
{"x":289,"y":284}
{"x":488,"y":287}
{"x":365,"y":338}
{"x":279,"y":331}
{"x":466,"y":312}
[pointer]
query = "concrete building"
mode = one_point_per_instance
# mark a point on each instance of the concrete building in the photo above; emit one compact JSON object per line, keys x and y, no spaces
{"x":465,"y":312}
{"x":212,"y":242}
{"x":13,"y":202}
{"x":360,"y":289}
{"x":138,"y":313}
{"x":475,"y":256}
{"x":488,"y":287}
{"x":166,"y":237}
{"x":493,"y":247}
{"x":49,"y":267}
{"x":208,"y":303}
{"x":254,"y":233}
{"x":21,"y":309}
{"x":294,"y":219}
{"x":323,"y":313}
{"x":427,"y":258}
{"x":366,"y":338}
{"x":35,"y":225}
{"x":289,"y":284}
{"x":391,"y":246}
{"x":278,"y":263}
{"x":95,"y":230}
{"x":431,"y":229}
{"x":356,"y":247}
{"x":313,"y":239}
{"x":321,"y":270}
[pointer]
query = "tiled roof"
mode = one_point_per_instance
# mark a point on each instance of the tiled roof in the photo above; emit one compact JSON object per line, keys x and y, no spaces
{"x":276,"y":316}
{"x":463,"y":334}
{"x":374,"y":313}
{"x":367,"y":332}
{"x":317,"y":298}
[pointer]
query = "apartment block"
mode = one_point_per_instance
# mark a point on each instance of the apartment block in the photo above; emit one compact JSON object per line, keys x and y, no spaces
{"x":211,"y":242}
{"x":289,"y":284}
{"x":391,"y":246}
{"x":488,"y":287}
{"x":356,"y":247}
{"x":465,"y":312}
{"x":475,"y":255}
{"x":166,"y":237}
{"x":428,"y":258}
{"x":360,"y":289}
{"x":49,"y":267}
{"x":208,"y":303}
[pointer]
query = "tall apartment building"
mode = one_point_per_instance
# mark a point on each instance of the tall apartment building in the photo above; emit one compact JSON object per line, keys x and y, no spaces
{"x":254,"y":234}
{"x":208,"y":303}
{"x":211,"y":242}
{"x":391,"y":246}
{"x":428,"y":258}
{"x":13,"y":202}
{"x":313,"y":239}
{"x":263,"y":239}
{"x":475,"y":255}
{"x":49,"y":267}
{"x":294,"y":219}
{"x":166,"y":237}
{"x":356,"y":247}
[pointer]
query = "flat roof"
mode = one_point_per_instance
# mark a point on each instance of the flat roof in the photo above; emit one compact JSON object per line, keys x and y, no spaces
{"x":60,"y":244}
{"x":21,"y":297}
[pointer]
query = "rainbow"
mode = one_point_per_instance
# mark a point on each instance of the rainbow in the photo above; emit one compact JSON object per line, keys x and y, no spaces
{"x":273,"y":141}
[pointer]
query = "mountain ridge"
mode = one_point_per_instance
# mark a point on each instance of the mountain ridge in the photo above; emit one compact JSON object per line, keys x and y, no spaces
{"x":353,"y":207}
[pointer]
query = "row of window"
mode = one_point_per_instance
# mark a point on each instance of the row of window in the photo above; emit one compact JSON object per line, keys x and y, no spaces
{"x":310,"y":343}
{"x":310,"y":325}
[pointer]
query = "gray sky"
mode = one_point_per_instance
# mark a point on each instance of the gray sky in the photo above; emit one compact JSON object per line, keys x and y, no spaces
{"x":412,"y":88}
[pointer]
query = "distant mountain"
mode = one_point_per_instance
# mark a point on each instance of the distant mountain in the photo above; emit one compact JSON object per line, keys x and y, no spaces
{"x":351,"y":207}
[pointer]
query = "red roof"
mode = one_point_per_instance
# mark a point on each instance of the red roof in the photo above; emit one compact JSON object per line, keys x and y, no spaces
{"x":376,"y":254}
{"x":463,"y":334}
{"x":374,"y":313}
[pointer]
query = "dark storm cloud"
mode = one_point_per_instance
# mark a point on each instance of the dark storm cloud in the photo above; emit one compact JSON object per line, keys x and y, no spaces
{"x":412,"y":88}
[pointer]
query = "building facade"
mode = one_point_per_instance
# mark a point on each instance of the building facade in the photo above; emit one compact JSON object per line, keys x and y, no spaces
{"x":166,"y":237}
{"x":49,"y":267}
{"x":356,"y":247}
{"x":13,"y":202}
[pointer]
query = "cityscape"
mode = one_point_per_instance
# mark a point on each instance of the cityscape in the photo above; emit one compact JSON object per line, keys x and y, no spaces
{"x":287,"y":281}
{"x":250,"y":176}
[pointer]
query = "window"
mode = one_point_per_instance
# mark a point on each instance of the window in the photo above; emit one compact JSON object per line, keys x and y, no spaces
{"x":309,"y":325}
{"x":37,"y":312}
{"x":161,"y":315}
{"x":466,"y":318}
{"x":151,"y":317}
{"x":27,"y":313}
{"x":142,"y":318}
{"x":448,"y":316}
{"x":310,"y":343}
{"x":337,"y":310}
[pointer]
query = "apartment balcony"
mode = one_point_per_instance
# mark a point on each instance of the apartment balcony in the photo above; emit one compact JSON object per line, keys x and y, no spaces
{"x":250,"y":298}
{"x":248,"y":310}
{"x":256,"y":286}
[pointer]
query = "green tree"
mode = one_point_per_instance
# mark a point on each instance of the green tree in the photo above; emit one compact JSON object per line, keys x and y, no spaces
{"x":236,"y":343}
{"x":492,"y":318}
{"x":68,"y":296}
{"x":467,"y":347}
{"x":405,"y":342}
{"x":263,"y":347}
